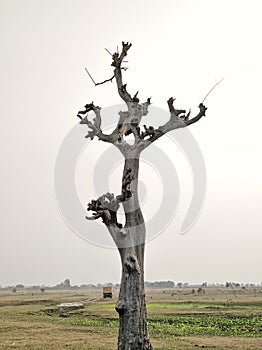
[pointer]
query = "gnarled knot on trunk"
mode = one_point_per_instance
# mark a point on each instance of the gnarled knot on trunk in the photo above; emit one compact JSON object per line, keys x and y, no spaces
{"x":126,"y":182}
{"x":129,"y":120}
{"x":123,"y":232}
{"x":121,"y":306}
{"x":131,"y":264}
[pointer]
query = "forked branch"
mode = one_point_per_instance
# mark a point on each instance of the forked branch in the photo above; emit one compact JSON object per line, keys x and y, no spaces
{"x":95,"y":124}
{"x":178,"y":119}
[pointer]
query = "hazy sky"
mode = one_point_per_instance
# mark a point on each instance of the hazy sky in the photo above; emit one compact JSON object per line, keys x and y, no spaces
{"x":180,"y":48}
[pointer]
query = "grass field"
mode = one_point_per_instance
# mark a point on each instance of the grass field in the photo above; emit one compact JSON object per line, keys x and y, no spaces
{"x":177,"y":319}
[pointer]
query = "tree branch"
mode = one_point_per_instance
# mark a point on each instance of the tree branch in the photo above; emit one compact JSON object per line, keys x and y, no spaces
{"x":174,"y":112}
{"x":117,"y":61}
{"x":103,"y":82}
{"x":107,"y":205}
{"x":178,"y":119}
{"x":202,"y":113}
{"x":94,"y":125}
{"x":129,"y":121}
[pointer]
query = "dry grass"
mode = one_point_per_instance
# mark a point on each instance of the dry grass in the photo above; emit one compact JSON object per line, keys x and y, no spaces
{"x":32,"y":321}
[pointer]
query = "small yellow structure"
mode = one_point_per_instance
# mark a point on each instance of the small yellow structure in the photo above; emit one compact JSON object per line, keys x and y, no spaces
{"x":107,"y":292}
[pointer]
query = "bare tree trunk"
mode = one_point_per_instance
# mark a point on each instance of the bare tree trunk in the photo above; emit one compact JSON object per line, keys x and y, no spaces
{"x":131,"y":306}
{"x":130,"y":239}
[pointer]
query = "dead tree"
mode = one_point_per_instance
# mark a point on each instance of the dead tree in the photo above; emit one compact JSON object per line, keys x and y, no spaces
{"x":130,"y":237}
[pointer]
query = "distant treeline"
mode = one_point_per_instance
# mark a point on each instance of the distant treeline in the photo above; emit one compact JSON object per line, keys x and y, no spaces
{"x":161,"y":284}
{"x":66,"y":284}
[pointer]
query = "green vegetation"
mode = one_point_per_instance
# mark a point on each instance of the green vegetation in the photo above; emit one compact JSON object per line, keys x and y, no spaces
{"x":206,"y":325}
{"x":218,"y":319}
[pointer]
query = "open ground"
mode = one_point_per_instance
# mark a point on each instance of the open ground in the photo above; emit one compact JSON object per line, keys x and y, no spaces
{"x":177,"y":318}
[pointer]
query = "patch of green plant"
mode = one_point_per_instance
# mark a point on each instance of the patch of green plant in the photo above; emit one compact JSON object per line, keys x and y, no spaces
{"x":205,"y":325}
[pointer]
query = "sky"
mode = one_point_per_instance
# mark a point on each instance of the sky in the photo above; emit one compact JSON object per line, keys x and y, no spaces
{"x":180,"y":48}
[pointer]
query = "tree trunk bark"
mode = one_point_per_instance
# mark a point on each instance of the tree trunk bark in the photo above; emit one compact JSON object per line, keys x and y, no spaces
{"x":131,"y":305}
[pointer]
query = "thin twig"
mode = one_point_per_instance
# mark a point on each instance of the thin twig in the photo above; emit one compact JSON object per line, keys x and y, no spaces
{"x":108,"y":52}
{"x":105,"y":81}
{"x":90,"y":76}
{"x":216,"y":84}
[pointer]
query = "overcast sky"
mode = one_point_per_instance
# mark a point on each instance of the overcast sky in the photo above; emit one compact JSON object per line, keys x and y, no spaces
{"x":180,"y":48}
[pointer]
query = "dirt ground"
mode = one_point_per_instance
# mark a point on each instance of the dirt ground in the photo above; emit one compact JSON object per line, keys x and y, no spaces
{"x":178,"y":319}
